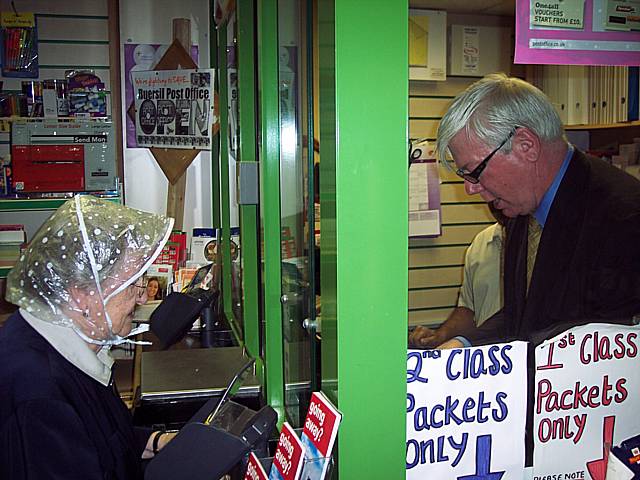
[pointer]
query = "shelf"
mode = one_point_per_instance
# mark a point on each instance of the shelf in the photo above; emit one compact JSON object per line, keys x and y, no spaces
{"x":54,"y":119}
{"x":11,"y":204}
{"x":31,"y":204}
{"x":635,"y":123}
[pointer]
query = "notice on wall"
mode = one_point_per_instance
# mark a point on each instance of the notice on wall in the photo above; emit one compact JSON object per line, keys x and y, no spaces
{"x":141,"y":57}
{"x":470,"y":50}
{"x":174,"y":108}
{"x":424,"y":191}
{"x":466,"y":412}
{"x":558,"y":13}
{"x":586,"y":399}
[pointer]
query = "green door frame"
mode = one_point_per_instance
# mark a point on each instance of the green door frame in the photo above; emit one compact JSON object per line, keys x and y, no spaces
{"x":364,"y":229}
{"x":248,"y":213}
{"x":270,"y":202}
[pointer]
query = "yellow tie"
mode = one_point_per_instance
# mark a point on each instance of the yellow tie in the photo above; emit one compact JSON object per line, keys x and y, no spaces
{"x":533,"y":240}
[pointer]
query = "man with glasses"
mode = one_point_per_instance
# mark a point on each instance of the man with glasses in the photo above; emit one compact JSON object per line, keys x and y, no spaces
{"x":571,"y":252}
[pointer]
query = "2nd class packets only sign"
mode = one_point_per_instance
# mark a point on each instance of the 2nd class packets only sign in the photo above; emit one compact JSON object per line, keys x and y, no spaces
{"x":466,"y":412}
{"x":587,"y":398}
{"x":174,"y":108}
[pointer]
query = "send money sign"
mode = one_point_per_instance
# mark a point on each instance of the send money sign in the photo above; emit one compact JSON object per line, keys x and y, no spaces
{"x":466,"y":412}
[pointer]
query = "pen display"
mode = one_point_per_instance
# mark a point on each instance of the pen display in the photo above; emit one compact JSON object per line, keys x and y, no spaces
{"x":19,"y":45}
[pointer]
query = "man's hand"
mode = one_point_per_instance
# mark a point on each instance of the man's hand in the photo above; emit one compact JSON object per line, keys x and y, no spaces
{"x":450,"y":344}
{"x":424,"y":337}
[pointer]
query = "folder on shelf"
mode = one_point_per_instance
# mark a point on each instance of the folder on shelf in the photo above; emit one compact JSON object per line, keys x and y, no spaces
{"x":608,"y":101}
{"x":605,"y":103}
{"x":593,"y":97}
{"x":577,"y":95}
{"x":600,"y":78}
{"x":550,"y":87}
{"x":614,"y":94}
{"x":624,"y":94}
{"x":562,"y":90}
{"x":633,"y":94}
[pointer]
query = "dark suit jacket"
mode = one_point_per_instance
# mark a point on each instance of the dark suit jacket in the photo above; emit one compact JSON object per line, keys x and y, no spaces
{"x":588,"y":262}
{"x":56,"y":422}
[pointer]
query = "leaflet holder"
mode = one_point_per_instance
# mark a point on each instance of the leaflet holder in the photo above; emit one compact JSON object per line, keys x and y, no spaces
{"x":216,"y":438}
{"x":311,"y":467}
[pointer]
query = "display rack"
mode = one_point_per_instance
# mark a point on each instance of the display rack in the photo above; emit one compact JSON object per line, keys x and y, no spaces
{"x":36,"y":205}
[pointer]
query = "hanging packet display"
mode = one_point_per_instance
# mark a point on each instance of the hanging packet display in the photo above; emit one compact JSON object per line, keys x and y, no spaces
{"x":19,"y":45}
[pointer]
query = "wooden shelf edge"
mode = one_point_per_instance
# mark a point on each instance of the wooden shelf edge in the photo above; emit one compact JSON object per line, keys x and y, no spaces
{"x":635,"y":123}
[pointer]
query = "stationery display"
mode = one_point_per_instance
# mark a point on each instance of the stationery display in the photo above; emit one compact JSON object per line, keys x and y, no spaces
{"x":13,"y":105}
{"x":5,"y":175}
{"x":54,"y":98}
{"x":81,"y":94}
{"x":32,"y":91}
{"x":87,"y":96}
{"x":19,"y":45}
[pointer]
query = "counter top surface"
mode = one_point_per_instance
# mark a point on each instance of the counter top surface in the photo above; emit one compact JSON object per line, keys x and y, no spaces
{"x":202,"y":372}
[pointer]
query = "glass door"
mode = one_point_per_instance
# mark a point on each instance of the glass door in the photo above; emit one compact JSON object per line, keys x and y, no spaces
{"x":296,"y":205}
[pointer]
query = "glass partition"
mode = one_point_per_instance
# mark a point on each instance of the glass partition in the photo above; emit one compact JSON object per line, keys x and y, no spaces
{"x":234,"y":156}
{"x":230,"y":254}
{"x":295,"y":206}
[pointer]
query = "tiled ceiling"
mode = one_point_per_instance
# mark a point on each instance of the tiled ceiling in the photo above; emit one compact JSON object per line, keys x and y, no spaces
{"x":484,"y":7}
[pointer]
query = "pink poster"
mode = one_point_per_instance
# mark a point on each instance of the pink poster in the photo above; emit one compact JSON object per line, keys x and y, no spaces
{"x":589,"y":32}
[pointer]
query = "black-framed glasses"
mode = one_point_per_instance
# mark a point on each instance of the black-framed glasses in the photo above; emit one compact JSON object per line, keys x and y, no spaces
{"x":474,"y":175}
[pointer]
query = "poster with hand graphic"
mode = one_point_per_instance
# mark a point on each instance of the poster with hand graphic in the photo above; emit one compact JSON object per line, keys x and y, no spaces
{"x":466,"y":412}
{"x":586,"y":399}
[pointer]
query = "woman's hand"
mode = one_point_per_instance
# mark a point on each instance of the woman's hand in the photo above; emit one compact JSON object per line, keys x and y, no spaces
{"x":156,"y":442}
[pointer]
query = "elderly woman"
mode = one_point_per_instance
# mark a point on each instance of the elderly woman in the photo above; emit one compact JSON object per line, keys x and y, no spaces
{"x":77,"y":287}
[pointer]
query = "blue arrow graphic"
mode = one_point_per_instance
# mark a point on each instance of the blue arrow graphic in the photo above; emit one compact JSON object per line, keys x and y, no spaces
{"x":483,"y":461}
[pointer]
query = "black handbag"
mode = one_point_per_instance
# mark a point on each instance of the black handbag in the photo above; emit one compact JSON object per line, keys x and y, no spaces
{"x":175,"y":315}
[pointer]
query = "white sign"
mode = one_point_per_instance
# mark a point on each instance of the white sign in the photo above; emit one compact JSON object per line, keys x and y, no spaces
{"x":470,"y":50}
{"x":466,"y":412}
{"x":424,"y":191}
{"x":174,"y":108}
{"x":587,"y":391}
